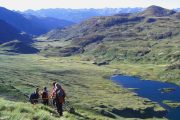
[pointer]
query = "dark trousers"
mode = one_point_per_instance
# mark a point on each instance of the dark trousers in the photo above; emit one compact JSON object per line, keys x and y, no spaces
{"x":34,"y":101}
{"x":46,"y":102}
{"x":59,"y":108}
{"x":54,"y":102}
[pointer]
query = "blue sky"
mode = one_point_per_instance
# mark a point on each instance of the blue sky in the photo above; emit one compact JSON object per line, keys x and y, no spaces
{"x":39,"y":4}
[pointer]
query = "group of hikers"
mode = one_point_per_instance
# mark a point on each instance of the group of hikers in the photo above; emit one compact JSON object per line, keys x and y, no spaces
{"x":58,"y":96}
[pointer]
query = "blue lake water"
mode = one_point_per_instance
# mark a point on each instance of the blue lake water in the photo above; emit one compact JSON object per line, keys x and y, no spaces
{"x":150,"y":89}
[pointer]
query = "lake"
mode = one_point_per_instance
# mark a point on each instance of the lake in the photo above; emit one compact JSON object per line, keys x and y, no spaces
{"x":151,"y":90}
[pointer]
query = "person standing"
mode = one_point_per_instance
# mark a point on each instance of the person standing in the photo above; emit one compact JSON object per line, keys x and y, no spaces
{"x":34,"y":97}
{"x":45,"y":96}
{"x":60,"y":98}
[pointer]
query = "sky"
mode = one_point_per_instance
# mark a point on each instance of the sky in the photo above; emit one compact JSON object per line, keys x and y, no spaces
{"x":75,"y":4}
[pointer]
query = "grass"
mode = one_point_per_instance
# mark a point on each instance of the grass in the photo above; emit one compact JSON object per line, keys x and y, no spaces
{"x":87,"y":86}
{"x":148,"y":71}
{"x":172,"y":104}
{"x":25,"y":111}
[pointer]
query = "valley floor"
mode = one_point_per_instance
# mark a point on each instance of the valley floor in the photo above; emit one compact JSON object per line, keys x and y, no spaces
{"x":87,"y":86}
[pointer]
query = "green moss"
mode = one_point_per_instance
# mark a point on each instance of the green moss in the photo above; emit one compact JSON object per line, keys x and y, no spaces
{"x":172,"y":104}
{"x":166,"y":90}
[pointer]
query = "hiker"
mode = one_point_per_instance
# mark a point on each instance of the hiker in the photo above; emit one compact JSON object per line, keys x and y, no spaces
{"x":60,"y":98}
{"x":45,"y":96}
{"x":53,"y":94}
{"x":34,"y":97}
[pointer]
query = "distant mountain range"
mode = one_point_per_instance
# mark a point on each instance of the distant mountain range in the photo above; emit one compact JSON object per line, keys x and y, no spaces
{"x":99,"y":24}
{"x":79,"y":15}
{"x":135,"y":37}
{"x":31,"y":24}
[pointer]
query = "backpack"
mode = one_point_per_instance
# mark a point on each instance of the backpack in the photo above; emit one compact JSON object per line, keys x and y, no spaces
{"x":31,"y":97}
{"x":45,"y":95}
{"x":34,"y":96}
{"x":61,"y":95}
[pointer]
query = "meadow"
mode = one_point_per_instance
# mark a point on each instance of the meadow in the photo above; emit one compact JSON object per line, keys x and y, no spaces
{"x":88,"y":88}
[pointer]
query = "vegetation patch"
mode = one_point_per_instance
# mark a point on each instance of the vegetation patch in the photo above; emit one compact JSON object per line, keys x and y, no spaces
{"x":172,"y":104}
{"x":167,"y":90}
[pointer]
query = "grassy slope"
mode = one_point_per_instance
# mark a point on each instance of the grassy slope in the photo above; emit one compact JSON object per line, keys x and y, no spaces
{"x":14,"y":111}
{"x":86,"y":86}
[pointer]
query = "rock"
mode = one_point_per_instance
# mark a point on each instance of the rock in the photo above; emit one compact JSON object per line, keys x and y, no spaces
{"x":103,"y":106}
{"x":72,"y":110}
{"x":101,"y":63}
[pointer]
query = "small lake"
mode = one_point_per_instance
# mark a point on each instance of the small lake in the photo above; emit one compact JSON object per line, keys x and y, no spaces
{"x":151,"y":90}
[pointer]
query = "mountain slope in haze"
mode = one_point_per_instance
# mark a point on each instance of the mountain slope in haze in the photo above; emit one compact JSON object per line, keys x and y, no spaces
{"x":13,"y":40}
{"x":31,"y":24}
{"x":47,"y":22}
{"x":78,"y":15}
{"x":16,"y":46}
{"x":177,"y":9}
{"x":9,"y":33}
{"x":138,"y":37}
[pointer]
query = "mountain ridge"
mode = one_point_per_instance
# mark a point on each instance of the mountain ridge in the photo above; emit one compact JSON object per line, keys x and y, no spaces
{"x":113,"y":37}
{"x":31,"y":24}
{"x":79,"y":15}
